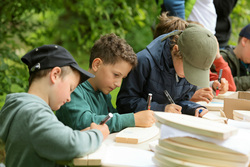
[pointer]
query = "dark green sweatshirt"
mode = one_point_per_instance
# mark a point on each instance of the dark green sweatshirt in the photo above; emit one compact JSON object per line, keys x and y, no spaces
{"x":87,"y":106}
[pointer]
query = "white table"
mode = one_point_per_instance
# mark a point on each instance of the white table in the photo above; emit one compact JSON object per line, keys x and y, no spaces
{"x":121,"y":151}
{"x":98,"y":158}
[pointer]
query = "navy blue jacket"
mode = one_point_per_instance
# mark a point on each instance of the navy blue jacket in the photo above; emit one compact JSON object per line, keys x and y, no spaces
{"x":154,"y":74}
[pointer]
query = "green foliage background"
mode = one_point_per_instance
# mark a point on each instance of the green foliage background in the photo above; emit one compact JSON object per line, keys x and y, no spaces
{"x":76,"y":25}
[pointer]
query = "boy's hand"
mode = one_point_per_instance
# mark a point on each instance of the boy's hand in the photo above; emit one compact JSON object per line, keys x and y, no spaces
{"x":103,"y":128}
{"x":203,"y":94}
{"x":223,"y":85}
{"x":173,"y":108}
{"x":144,"y":118}
{"x":202,"y":113}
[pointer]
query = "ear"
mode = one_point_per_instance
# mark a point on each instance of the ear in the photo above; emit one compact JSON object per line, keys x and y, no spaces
{"x":244,"y":41}
{"x":175,"y":48}
{"x":55,"y":74}
{"x":97,"y":62}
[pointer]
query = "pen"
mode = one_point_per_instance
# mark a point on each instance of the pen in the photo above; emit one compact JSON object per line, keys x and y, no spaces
{"x":200,"y":110}
{"x":108,"y":117}
{"x":219,"y":79}
{"x":149,"y":100}
{"x":169,"y":97}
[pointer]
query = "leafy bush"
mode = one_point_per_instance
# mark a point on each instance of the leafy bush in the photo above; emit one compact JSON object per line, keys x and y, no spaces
{"x":76,"y":25}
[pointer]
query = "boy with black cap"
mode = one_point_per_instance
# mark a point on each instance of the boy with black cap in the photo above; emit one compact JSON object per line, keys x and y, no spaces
{"x":31,"y":132}
{"x":177,"y":62}
{"x":238,"y":59}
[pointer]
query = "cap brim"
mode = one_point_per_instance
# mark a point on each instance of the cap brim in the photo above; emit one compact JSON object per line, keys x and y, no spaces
{"x":85,"y":75}
{"x":196,"y":76}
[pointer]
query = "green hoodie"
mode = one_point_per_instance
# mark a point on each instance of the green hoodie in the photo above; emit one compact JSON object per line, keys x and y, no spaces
{"x":34,"y":137}
{"x":87,"y":106}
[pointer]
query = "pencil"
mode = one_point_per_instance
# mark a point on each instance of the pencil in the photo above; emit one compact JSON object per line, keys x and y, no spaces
{"x":108,"y":117}
{"x":219,"y":79}
{"x":149,"y":100}
{"x":169,"y":97}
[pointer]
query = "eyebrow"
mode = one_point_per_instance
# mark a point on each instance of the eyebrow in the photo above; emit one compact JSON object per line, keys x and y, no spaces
{"x":123,"y":76}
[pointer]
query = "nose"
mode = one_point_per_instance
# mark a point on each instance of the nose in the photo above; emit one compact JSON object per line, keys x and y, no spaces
{"x":68,"y":99}
{"x":118,"y":83}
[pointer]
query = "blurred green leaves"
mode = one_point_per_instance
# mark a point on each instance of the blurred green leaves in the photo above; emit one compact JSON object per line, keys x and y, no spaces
{"x":240,"y":17}
{"x":76,"y":25}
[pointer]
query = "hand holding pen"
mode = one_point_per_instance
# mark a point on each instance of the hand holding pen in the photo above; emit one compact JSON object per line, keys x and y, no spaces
{"x":172,"y":107}
{"x":219,"y":79}
{"x":199,"y":112}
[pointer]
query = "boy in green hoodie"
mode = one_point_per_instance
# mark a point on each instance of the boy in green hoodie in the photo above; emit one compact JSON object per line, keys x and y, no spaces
{"x":110,"y":61}
{"x":32,"y":134}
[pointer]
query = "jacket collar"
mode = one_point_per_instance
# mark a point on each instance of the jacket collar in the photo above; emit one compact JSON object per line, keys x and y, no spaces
{"x":155,"y":49}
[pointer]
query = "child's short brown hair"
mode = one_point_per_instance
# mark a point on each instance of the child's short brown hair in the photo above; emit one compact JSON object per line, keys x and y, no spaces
{"x":168,"y":24}
{"x":111,"y":49}
{"x":42,"y":73}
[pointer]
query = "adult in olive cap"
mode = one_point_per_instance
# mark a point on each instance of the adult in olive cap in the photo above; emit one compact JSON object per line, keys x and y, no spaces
{"x":177,"y":62}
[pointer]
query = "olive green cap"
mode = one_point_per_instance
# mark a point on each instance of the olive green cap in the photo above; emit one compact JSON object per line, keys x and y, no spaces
{"x":198,"y":47}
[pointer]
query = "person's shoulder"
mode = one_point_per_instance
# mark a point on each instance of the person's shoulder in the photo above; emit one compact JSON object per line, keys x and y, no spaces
{"x":26,"y":104}
{"x":227,"y":50}
{"x":83,"y":89}
{"x":152,"y":50}
{"x":24,"y":99}
{"x":83,"y":93}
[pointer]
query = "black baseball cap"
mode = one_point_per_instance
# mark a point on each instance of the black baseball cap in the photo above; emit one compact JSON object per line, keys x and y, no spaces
{"x":245,"y":32}
{"x":50,"y":56}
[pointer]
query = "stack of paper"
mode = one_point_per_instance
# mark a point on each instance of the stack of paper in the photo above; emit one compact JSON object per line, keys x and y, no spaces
{"x":241,"y":115}
{"x":192,"y":141}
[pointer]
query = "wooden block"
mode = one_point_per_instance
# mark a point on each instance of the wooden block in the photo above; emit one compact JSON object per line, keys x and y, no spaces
{"x":81,"y":161}
{"x":237,"y":118}
{"x":135,"y":135}
{"x":202,"y":144}
{"x":243,"y":115}
{"x":196,"y":125}
{"x":197,"y":151}
{"x":197,"y":159}
{"x":222,"y":96}
{"x":93,"y":159}
{"x":237,"y":101}
{"x":163,"y":161}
